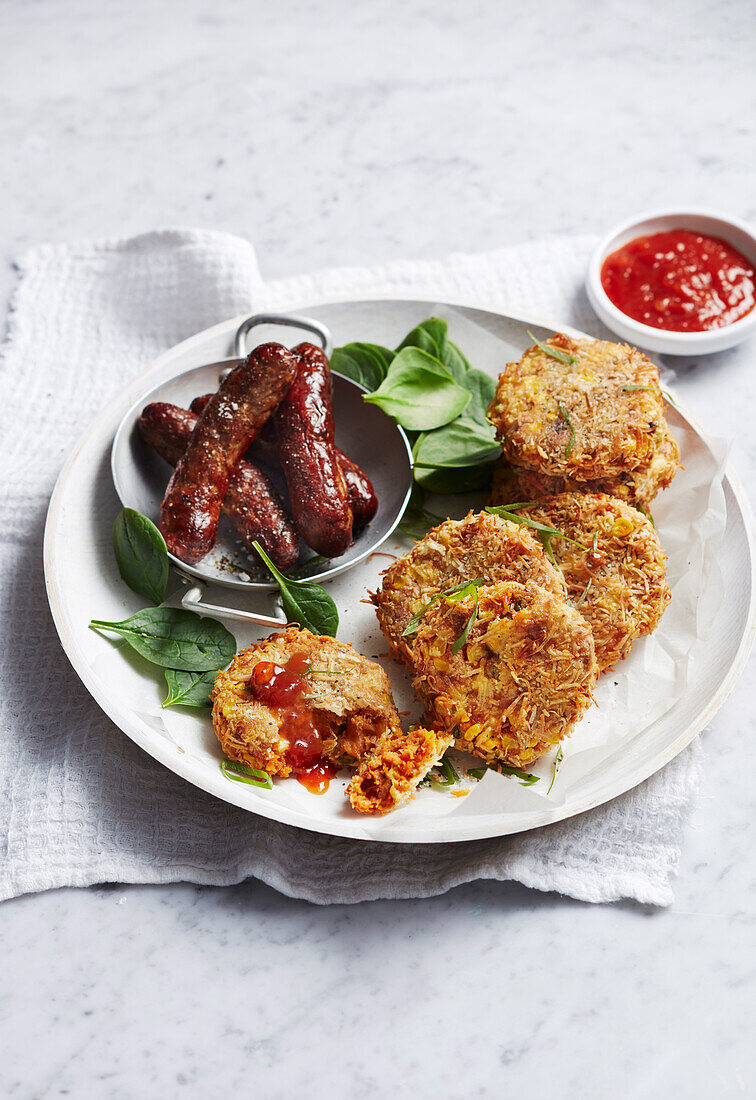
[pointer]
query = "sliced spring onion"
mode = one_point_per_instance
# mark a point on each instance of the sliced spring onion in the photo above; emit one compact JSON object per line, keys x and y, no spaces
{"x":243,"y":773}
{"x":555,"y":353}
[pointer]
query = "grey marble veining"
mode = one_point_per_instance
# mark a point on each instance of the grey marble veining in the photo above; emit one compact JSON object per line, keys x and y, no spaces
{"x":332,"y":134}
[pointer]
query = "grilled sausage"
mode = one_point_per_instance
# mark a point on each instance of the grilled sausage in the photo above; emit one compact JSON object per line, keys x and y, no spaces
{"x":303,"y":425}
{"x":362,"y":498}
{"x":251,"y":503}
{"x":231,"y":420}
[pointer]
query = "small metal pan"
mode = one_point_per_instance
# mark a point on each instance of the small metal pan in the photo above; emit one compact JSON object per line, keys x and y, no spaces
{"x":363,"y":431}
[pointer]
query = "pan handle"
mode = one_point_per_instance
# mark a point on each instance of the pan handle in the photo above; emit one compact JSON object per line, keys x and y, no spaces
{"x":292,"y":320}
{"x":192,"y":601}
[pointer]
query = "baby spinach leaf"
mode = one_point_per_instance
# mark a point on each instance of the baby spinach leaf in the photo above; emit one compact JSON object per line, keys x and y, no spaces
{"x":304,"y":602}
{"x":450,"y":479}
{"x":417,"y":520}
{"x":141,"y":554}
{"x":462,"y":443}
{"x":418,"y":392}
{"x":367,"y":364}
{"x":482,"y":387}
{"x":188,"y":689}
{"x":429,"y":336}
{"x":174,"y":638}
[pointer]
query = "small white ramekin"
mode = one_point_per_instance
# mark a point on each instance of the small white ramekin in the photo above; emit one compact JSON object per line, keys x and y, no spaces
{"x":735,"y":232}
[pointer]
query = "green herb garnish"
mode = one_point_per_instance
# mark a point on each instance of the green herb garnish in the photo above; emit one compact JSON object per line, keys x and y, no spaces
{"x":526,"y":778}
{"x":545,"y":533}
{"x":174,"y":638}
{"x":243,"y":773}
{"x":648,"y":515}
{"x":456,"y":592}
{"x":462,"y":639}
{"x":583,"y":594}
{"x":555,"y":353}
{"x":477,"y":773}
{"x":304,"y":602}
{"x":565,"y":417}
{"x":446,"y":776}
{"x":633,"y":387}
{"x":141,"y":554}
{"x":557,"y":762}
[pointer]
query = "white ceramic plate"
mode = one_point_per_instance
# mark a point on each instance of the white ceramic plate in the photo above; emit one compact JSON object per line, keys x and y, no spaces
{"x":83,"y":583}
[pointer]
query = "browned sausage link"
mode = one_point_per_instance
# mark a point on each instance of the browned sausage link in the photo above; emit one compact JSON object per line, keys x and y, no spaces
{"x":231,"y":420}
{"x":304,"y":431}
{"x":251,"y":503}
{"x":362,"y":498}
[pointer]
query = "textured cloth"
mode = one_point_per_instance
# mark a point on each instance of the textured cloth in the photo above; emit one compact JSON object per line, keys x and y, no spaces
{"x":79,"y":802}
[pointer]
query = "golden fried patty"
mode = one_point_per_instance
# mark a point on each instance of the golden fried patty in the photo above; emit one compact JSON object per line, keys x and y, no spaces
{"x":619,"y":580}
{"x":480,"y":545}
{"x":521,"y":680}
{"x":350,"y":702}
{"x":598,"y":414}
{"x":512,"y":484}
{"x":389,"y":775}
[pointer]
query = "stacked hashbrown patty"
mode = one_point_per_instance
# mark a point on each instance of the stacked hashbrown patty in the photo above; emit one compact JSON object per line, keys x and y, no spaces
{"x":480,"y":545}
{"x":521,"y":680}
{"x":590,"y":419}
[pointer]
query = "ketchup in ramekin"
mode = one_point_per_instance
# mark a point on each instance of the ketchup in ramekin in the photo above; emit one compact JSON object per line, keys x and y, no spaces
{"x":680,"y":280}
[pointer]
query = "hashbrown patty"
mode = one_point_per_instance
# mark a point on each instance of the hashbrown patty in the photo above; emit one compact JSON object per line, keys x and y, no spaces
{"x":351,"y":708}
{"x":598,"y":416}
{"x":480,"y":545}
{"x":521,"y":680}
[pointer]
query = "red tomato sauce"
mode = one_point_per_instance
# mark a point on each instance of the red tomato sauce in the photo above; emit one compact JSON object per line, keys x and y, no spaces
{"x":283,"y":687}
{"x":680,"y":280}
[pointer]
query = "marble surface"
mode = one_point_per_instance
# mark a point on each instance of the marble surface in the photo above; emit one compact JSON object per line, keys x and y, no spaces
{"x":332,"y":134}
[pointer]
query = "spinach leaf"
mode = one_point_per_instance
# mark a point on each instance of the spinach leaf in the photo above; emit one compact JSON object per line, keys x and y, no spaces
{"x":416,"y":519}
{"x":431,"y":336}
{"x":449,"y":480}
{"x":188,"y":689}
{"x":418,"y":392}
{"x":482,"y":387}
{"x":464,"y":442}
{"x":174,"y":638}
{"x":141,"y":554}
{"x":453,"y":357}
{"x":367,"y":364}
{"x":304,"y":602}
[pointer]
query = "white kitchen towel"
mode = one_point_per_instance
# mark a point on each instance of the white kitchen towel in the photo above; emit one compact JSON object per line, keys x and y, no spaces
{"x":79,"y":803}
